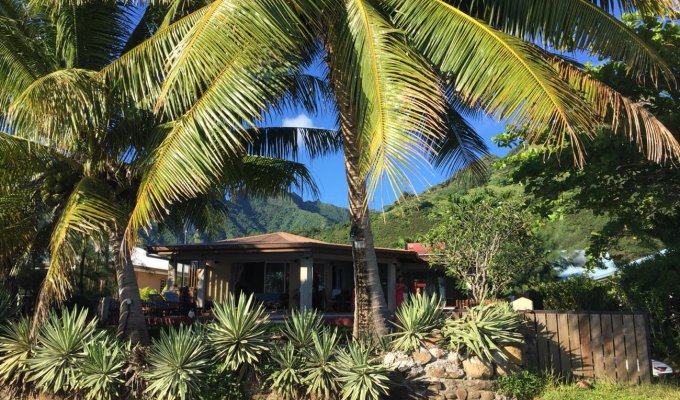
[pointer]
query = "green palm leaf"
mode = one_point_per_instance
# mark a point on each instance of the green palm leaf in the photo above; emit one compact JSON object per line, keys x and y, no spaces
{"x":89,"y":212}
{"x":501,"y":74}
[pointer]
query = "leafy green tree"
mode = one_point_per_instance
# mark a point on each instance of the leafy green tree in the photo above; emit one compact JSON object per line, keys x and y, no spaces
{"x":76,"y":155}
{"x":400,"y":73}
{"x":639,"y":198}
{"x":486,"y":241}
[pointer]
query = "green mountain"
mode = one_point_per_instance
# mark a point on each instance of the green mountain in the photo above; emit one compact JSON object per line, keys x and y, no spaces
{"x":412,"y":216}
{"x":293,"y":214}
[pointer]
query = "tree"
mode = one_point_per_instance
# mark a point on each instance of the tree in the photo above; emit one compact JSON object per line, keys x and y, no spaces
{"x":486,"y":242}
{"x":74,"y":164}
{"x":639,"y":198}
{"x":400,"y":72}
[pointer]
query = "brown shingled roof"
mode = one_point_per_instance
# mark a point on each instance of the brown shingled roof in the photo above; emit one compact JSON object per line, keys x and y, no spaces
{"x":271,"y":238}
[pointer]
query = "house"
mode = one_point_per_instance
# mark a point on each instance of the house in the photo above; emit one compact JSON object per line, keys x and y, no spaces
{"x":151,"y":272}
{"x":289,"y":271}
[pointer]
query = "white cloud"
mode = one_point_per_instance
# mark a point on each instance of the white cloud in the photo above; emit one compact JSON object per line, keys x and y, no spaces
{"x":300,"y":121}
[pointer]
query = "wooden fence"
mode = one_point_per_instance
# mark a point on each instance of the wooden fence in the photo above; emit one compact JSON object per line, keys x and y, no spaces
{"x":603,"y":345}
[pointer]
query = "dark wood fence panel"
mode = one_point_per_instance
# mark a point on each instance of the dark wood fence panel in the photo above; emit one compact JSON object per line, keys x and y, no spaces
{"x":608,"y":346}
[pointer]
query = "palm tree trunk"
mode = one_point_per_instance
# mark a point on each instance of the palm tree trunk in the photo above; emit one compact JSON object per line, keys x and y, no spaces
{"x":370,"y":307}
{"x":131,"y":324}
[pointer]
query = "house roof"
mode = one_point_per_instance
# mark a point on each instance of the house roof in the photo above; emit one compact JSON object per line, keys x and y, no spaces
{"x":277,"y":242}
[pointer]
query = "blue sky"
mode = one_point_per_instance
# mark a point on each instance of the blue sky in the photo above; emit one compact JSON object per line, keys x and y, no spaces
{"x":329,"y":171}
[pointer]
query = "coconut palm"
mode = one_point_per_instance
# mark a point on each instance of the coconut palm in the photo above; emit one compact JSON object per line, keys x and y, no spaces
{"x":76,"y":156}
{"x":397,"y":69}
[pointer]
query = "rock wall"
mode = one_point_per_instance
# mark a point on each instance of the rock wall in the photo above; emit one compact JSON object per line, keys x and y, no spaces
{"x":434,"y":373}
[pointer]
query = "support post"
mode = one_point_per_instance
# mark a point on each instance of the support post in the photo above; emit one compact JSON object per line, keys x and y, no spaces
{"x":172,"y":275}
{"x":200,"y":285}
{"x":392,"y":286}
{"x":306,"y":280}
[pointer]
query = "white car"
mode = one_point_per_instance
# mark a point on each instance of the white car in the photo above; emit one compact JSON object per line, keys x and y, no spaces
{"x":660,"y":369}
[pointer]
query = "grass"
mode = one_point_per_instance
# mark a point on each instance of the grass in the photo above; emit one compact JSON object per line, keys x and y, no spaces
{"x":603,"y":391}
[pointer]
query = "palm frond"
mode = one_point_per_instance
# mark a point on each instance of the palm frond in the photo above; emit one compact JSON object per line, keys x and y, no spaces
{"x":497,"y":72}
{"x":89,"y":212}
{"x":282,"y":142}
{"x":396,"y":97}
{"x":638,"y":124}
{"x":57,"y":108}
{"x":581,"y":25}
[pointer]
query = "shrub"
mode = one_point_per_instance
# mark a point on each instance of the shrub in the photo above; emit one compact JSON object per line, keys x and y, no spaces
{"x":579,"y":293}
{"x":101,"y":368}
{"x":320,"y":370}
{"x":146,"y":292}
{"x":15,"y":349}
{"x":483,"y":330}
{"x":301,"y":327}
{"x":416,"y":318}
{"x":286,"y":379}
{"x":179,"y":362}
{"x":239,"y":333}
{"x":60,"y":350}
{"x":361,"y":377}
{"x":221,"y":385}
{"x":524,"y":385}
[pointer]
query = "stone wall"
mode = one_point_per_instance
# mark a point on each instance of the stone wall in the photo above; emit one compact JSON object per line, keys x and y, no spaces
{"x":437,"y":374}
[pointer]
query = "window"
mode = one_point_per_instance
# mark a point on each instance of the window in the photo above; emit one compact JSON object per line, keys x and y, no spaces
{"x":276,"y":278}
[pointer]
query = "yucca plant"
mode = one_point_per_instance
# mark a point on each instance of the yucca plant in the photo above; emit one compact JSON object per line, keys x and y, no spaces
{"x":60,"y":350}
{"x":416,"y":318}
{"x":100,"y":374}
{"x":320,"y":370}
{"x":483,"y":330}
{"x":286,"y":379}
{"x":15,"y":349}
{"x":301,"y":327}
{"x":179,"y":362}
{"x":362,"y":378}
{"x":8,"y":305}
{"x":239,"y":333}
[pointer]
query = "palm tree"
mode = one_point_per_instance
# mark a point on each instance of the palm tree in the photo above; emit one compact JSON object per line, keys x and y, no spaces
{"x":397,"y":70}
{"x":75,"y":160}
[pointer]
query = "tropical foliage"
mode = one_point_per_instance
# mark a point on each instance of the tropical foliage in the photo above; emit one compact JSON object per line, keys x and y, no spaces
{"x":320,"y":368}
{"x":361,"y":378}
{"x":301,"y":327}
{"x":486,"y":240}
{"x":100,"y":372}
{"x":239,"y":334}
{"x":483,"y":330}
{"x":415,"y":320}
{"x":178,"y":364}
{"x":16,"y":346}
{"x":286,"y":379}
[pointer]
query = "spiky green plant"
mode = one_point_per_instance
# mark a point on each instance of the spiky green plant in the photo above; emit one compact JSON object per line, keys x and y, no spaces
{"x":415,"y":320}
{"x":483,"y":330}
{"x":179,"y":362}
{"x":100,"y":373}
{"x":8,"y":305}
{"x":301,"y":327}
{"x":15,"y":349}
{"x":60,"y":350}
{"x":320,"y":370}
{"x":286,"y":379}
{"x":239,"y":333}
{"x":361,"y":376}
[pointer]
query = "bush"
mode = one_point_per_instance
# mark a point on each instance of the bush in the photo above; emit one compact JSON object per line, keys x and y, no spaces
{"x":416,"y":318}
{"x":286,"y":379}
{"x":301,"y":327}
{"x":524,"y":385}
{"x":179,"y":362}
{"x":146,"y":292}
{"x":483,"y":330}
{"x":320,"y":370}
{"x":239,"y":333}
{"x":221,"y":385}
{"x":100,"y":373}
{"x":60,"y":350}
{"x":8,"y":305}
{"x":361,"y":377}
{"x":579,"y":293}
{"x":15,"y":349}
